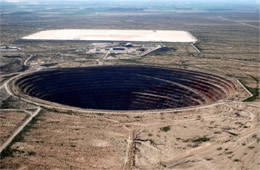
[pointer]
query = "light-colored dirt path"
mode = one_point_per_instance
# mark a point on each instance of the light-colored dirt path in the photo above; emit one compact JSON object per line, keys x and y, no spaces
{"x":207,"y":147}
{"x":130,"y":151}
{"x":195,"y":48}
{"x":251,"y":95}
{"x":6,"y":84}
{"x":150,"y":51}
{"x":239,"y":22}
{"x":27,"y":60}
{"x":16,"y":110}
{"x":19,"y":129}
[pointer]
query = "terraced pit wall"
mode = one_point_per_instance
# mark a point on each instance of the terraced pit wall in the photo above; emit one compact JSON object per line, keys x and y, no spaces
{"x":125,"y":87}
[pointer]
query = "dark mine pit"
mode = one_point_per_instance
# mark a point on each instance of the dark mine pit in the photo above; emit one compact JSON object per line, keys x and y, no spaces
{"x":125,"y":87}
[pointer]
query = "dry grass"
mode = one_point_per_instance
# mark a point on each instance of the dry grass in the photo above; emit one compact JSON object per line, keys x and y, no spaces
{"x":9,"y":121}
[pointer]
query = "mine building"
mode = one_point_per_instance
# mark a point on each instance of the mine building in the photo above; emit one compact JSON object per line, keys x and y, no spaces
{"x":128,"y":45}
{"x":119,"y":48}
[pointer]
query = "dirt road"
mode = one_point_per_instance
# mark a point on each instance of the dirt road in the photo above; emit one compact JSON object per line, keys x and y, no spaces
{"x":19,"y":129}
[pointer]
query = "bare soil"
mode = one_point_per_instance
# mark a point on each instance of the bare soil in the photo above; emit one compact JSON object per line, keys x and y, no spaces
{"x":224,"y":135}
{"x":9,"y":121}
{"x":219,"y":136}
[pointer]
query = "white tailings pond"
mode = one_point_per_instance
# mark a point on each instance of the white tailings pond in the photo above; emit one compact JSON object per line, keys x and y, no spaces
{"x":113,"y":35}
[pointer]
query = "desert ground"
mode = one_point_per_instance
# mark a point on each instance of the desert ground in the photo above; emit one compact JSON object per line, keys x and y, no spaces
{"x":9,"y":122}
{"x":220,"y":135}
{"x":199,"y":138}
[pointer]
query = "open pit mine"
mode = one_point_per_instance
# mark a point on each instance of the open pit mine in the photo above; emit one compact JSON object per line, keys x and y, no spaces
{"x":124,"y":87}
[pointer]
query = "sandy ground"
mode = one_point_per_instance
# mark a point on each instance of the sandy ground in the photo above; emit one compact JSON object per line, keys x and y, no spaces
{"x":221,"y":137}
{"x":9,"y":121}
{"x":67,"y":141}
{"x":224,"y":136}
{"x":113,"y":35}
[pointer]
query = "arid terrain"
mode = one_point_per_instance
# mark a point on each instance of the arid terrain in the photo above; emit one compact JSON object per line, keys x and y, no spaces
{"x":222,"y":134}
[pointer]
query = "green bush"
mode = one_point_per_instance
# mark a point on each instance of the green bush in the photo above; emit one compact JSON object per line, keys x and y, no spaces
{"x":201,"y":139}
{"x":165,"y":128}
